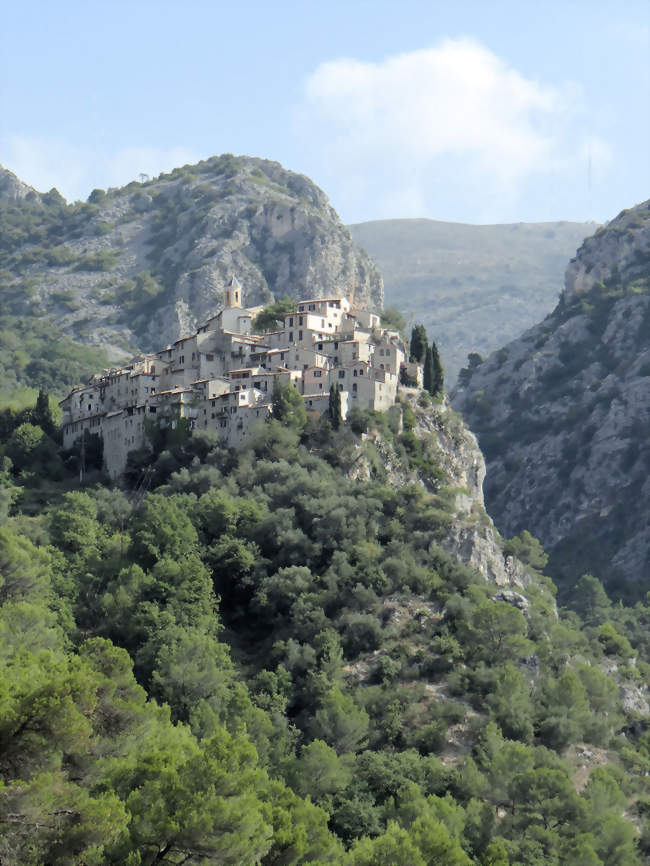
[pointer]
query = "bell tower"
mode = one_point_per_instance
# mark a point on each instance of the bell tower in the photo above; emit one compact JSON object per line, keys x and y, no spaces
{"x":233,"y":293}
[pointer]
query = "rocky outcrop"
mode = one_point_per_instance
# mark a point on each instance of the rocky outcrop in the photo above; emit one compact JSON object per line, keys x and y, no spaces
{"x":470,"y":535}
{"x":139,"y":266}
{"x":12,"y":188}
{"x":562,"y":414}
{"x":618,"y":252}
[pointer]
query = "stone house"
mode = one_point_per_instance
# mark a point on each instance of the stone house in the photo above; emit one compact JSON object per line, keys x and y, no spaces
{"x":222,"y":376}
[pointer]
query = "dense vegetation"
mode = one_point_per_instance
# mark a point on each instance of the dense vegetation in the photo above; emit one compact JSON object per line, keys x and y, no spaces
{"x":251,"y":657}
{"x":34,"y":354}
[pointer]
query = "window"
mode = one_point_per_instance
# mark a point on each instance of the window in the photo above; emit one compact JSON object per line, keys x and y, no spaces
{"x":341,"y":374}
{"x":300,"y":335}
{"x":181,"y":360}
{"x":355,"y":373}
{"x":317,"y":374}
{"x":354,"y":387}
{"x":291,"y":321}
{"x":320,"y":345}
{"x":209,"y":356}
{"x":152,"y":409}
{"x":290,"y":336}
{"x":300,"y":320}
{"x":336,"y":345}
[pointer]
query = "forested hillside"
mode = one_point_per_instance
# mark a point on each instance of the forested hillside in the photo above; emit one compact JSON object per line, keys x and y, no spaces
{"x":285,"y":656}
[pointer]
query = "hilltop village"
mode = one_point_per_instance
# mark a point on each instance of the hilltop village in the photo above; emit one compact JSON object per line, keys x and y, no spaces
{"x":222,"y":376}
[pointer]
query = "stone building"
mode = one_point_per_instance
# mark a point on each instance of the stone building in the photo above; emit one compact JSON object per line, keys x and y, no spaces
{"x":222,"y":376}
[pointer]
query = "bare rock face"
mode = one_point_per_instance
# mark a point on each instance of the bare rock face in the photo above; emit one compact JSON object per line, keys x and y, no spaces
{"x":562,"y":414}
{"x":137,"y":267}
{"x":12,"y":188}
{"x":618,"y":252}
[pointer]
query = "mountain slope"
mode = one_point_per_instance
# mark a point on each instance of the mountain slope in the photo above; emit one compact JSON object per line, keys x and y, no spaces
{"x":341,"y":683}
{"x":139,"y":266}
{"x":562,"y":413}
{"x":474,"y":287}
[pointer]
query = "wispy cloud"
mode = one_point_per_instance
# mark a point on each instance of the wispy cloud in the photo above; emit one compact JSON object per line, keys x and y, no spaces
{"x":452,"y":118}
{"x":76,"y":171}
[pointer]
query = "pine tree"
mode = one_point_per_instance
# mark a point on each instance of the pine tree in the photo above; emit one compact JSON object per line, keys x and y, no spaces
{"x":419,"y":344}
{"x":287,"y":406}
{"x":438,"y":371}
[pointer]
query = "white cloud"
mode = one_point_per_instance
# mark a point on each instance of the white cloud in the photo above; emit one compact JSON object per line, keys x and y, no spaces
{"x":454,"y":118}
{"x":76,"y":171}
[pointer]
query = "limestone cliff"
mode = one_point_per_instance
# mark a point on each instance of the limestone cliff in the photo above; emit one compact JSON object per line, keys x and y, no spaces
{"x":562,"y":413}
{"x":138,"y":266}
{"x":12,"y":188}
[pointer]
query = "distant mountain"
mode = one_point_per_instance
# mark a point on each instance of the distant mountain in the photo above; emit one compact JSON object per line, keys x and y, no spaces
{"x":473,"y":287}
{"x":139,"y":266}
{"x":562,"y":414}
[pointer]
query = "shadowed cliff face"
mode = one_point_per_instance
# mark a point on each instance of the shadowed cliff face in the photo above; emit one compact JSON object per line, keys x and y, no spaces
{"x":563,"y":413}
{"x":141,"y":265}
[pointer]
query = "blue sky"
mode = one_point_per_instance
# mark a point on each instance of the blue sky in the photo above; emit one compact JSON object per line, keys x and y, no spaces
{"x":469,"y":111}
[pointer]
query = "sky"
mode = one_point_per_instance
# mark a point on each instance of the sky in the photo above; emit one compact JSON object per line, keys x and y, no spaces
{"x":465,"y":111}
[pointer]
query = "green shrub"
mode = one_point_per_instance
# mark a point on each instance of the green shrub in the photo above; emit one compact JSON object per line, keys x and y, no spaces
{"x":102,"y":260}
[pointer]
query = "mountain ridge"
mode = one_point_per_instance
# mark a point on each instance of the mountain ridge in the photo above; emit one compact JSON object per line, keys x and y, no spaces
{"x":146,"y":262}
{"x":474,"y":287}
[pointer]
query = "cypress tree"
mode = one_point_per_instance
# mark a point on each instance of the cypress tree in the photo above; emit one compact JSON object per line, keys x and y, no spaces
{"x":419,"y":344}
{"x":428,"y":372}
{"x":438,"y":371}
{"x":335,"y":406}
{"x":41,"y":414}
